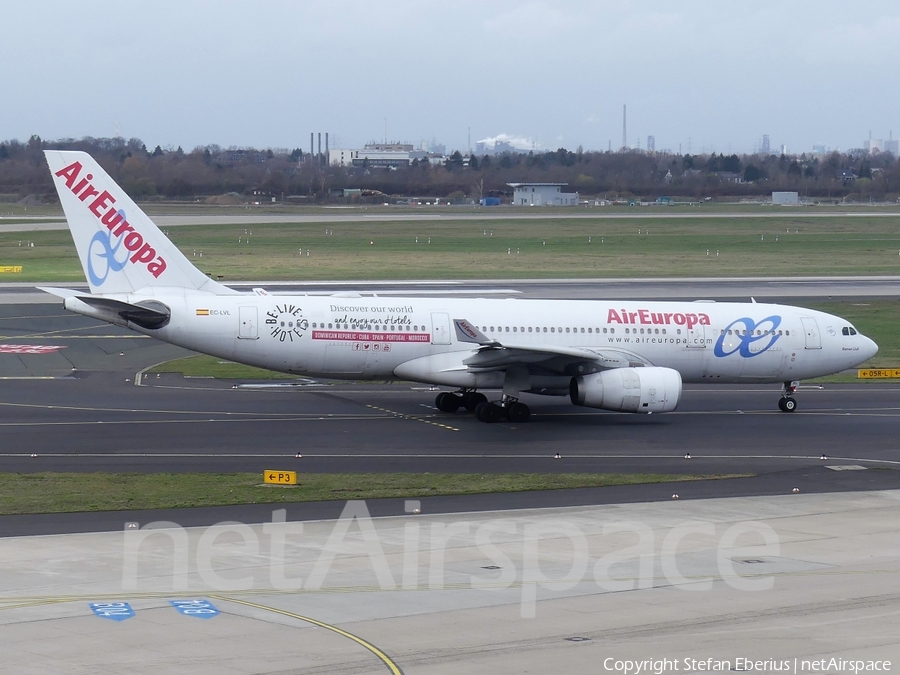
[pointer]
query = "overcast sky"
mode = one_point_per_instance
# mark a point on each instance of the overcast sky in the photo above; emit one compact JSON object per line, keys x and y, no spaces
{"x":701,"y":75}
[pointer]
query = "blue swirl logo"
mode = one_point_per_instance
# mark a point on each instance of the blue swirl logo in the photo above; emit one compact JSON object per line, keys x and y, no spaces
{"x":106,"y":253}
{"x":767,"y":331}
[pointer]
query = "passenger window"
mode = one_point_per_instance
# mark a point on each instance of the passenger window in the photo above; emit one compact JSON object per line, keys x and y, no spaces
{"x":552,"y":330}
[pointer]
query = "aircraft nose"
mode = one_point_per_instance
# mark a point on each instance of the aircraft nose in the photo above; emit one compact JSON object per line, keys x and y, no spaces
{"x":869,"y":348}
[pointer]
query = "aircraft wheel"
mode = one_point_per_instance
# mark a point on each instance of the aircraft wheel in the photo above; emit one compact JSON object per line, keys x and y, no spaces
{"x":788,"y":404}
{"x":472,"y":399}
{"x":447,"y":402}
{"x":488,"y":412}
{"x":518,"y":412}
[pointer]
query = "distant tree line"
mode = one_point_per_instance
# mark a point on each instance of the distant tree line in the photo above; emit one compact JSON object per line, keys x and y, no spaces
{"x":249,"y":174}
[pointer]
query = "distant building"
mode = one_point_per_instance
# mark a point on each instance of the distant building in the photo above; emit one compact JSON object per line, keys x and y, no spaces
{"x":729,"y":177}
{"x":873,"y":145}
{"x":785,"y":198}
{"x":341,"y":156}
{"x":542,"y":194}
{"x":376,"y":155}
{"x":495,"y":148}
{"x":892,"y":146}
{"x":765,"y":144}
{"x":651,"y":144}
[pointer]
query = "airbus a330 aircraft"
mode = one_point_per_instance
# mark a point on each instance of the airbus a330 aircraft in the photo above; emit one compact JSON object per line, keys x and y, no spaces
{"x":621,"y":356}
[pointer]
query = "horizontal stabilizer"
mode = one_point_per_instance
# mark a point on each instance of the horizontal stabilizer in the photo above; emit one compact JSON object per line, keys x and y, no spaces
{"x":151,"y":314}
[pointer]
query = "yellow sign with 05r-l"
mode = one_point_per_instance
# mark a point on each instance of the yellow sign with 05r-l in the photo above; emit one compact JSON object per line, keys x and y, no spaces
{"x":280,"y":477}
{"x":879,"y":373}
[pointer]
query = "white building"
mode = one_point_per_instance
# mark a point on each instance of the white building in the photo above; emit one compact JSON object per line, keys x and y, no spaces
{"x":785,"y":198}
{"x":542,"y":194}
{"x":873,"y":145}
{"x":341,"y":157}
{"x":377,"y":155}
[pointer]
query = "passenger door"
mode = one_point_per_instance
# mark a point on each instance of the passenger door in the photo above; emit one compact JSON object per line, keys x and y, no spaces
{"x":811,"y":328}
{"x":248,"y":328}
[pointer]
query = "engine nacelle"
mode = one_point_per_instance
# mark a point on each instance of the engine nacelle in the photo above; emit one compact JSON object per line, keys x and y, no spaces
{"x":634,"y":390}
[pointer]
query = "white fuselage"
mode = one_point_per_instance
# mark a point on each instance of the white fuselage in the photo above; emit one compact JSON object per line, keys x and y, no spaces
{"x":370,"y":337}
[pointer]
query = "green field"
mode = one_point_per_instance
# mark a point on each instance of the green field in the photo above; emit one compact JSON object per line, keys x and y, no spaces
{"x":73,"y":492}
{"x":787,"y":245}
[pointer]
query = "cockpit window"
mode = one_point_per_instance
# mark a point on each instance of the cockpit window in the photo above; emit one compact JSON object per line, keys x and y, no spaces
{"x":848,"y":330}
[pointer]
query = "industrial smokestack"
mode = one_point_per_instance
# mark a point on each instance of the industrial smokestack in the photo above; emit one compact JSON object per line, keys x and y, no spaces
{"x":312,"y":149}
{"x":624,"y":135}
{"x":319,"y":156}
{"x":326,"y":147}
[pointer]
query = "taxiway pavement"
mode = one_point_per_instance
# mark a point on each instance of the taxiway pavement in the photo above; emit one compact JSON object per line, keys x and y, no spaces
{"x":706,"y":584}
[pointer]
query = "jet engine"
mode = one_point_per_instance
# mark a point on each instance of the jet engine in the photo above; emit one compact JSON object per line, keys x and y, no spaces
{"x":634,"y":390}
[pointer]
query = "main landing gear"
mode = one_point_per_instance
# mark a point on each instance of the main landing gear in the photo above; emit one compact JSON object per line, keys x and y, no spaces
{"x":788,"y":403}
{"x":485,"y":411}
{"x":449,"y":402}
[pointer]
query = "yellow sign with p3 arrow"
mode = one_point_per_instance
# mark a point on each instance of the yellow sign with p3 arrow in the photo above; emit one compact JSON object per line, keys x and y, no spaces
{"x":280,"y":477}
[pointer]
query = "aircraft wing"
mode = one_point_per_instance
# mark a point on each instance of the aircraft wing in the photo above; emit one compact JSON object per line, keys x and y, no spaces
{"x":494,"y":355}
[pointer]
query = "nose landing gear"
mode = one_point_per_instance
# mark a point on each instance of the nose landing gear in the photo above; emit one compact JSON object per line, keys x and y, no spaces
{"x":788,"y":403}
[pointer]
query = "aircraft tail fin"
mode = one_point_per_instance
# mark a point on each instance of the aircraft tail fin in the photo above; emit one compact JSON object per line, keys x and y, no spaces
{"x":120,"y":248}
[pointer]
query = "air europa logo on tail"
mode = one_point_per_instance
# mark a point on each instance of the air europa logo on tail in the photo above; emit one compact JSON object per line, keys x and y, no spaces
{"x":114,"y":220}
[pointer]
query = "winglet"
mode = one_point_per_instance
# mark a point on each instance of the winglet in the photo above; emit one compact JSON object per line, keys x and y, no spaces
{"x":467,"y":332}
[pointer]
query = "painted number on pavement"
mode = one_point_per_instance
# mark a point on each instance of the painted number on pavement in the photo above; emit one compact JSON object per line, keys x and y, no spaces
{"x":116,"y":611}
{"x":201,"y":609}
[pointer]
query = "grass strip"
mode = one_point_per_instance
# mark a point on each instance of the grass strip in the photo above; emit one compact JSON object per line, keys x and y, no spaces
{"x":211,"y":366}
{"x":48,"y":492}
{"x":788,"y":244}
